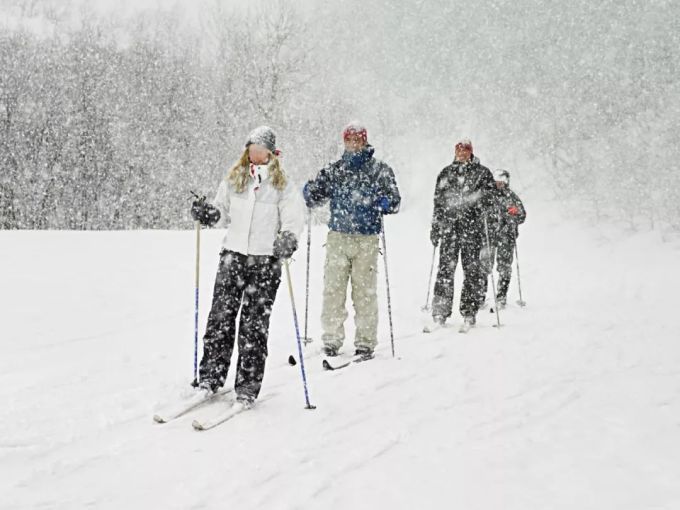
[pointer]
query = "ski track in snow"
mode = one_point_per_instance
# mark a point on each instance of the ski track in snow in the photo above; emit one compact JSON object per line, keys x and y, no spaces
{"x":573,"y":403}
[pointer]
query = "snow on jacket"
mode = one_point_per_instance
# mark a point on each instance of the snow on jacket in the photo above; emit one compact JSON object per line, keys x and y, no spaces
{"x":508,"y":223}
{"x":360,"y":189}
{"x":254,"y":217}
{"x":464,"y":193}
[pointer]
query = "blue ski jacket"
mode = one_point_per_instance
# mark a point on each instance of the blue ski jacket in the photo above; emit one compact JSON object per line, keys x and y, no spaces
{"x":360,"y":189}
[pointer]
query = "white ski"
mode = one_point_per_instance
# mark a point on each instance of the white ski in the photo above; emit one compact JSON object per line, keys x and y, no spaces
{"x":357,"y":359}
{"x":201,"y":397}
{"x":236,"y":408}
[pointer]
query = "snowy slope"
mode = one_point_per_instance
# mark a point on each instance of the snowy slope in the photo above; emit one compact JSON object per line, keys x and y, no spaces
{"x":574,"y":403}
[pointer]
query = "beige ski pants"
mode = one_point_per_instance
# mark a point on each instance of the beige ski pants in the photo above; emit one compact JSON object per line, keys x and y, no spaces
{"x":355,"y":256}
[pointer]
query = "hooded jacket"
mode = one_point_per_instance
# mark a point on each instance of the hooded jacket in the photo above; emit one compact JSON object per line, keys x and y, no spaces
{"x":507,"y":224}
{"x":255,"y":216}
{"x":360,"y":189}
{"x":463,"y":194}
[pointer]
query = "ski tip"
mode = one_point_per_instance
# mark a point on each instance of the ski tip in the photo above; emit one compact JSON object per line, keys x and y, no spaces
{"x":197,"y":425}
{"x":326,"y":365}
{"x":291,"y":360}
{"x":158,"y":419}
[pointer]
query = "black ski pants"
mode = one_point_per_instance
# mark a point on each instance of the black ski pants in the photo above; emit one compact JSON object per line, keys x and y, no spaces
{"x":248,"y":283}
{"x":503,"y":253}
{"x":468,"y":245}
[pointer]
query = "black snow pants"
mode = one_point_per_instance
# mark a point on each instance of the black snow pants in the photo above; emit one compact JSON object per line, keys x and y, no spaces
{"x":248,"y":283}
{"x":468,"y":245}
{"x":503,"y":253}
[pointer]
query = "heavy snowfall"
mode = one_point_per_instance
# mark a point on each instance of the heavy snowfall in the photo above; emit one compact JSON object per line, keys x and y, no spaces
{"x":112,"y":113}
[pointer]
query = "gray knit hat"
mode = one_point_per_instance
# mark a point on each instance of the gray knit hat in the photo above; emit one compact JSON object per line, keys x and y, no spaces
{"x":264,"y":136}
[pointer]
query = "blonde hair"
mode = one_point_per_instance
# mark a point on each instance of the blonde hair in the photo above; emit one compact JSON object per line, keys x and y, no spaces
{"x":238,"y":175}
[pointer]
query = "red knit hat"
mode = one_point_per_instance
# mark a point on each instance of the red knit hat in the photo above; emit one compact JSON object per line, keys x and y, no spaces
{"x":465,"y":143}
{"x":355,"y":128}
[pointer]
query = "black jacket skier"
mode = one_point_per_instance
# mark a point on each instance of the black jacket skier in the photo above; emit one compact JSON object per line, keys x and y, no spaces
{"x":464,"y":193}
{"x":507,"y":214}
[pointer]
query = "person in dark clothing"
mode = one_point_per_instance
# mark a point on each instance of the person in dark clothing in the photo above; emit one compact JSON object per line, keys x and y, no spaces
{"x":263,"y":214}
{"x":464,"y":192}
{"x":506,"y":215}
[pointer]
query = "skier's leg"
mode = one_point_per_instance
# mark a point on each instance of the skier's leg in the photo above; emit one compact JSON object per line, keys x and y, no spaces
{"x":442,"y":302}
{"x":336,"y":275}
{"x":364,"y":294}
{"x":487,"y":264}
{"x":263,"y":278}
{"x":506,"y":251}
{"x":474,"y":274}
{"x":218,"y":341}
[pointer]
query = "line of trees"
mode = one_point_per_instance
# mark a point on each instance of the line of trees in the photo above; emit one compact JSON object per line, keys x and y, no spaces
{"x":109,"y":127}
{"x":106,"y":122}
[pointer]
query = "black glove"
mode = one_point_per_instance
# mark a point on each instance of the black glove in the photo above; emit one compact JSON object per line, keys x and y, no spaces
{"x":205,"y":213}
{"x":308,"y":194}
{"x":284,"y":245}
{"x":434,"y":236}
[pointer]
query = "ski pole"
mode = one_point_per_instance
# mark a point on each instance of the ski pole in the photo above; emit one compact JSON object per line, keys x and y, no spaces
{"x":521,"y":302}
{"x":297,"y":335}
{"x":198,"y":265}
{"x":426,"y":307}
{"x":306,"y":339}
{"x":493,"y":280}
{"x":196,"y":285}
{"x":387,"y":283}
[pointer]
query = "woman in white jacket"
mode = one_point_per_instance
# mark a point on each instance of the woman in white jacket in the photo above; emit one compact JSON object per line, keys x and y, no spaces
{"x":263,"y":215}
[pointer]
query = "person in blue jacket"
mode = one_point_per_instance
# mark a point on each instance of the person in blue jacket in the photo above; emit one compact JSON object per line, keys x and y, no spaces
{"x":360,"y":189}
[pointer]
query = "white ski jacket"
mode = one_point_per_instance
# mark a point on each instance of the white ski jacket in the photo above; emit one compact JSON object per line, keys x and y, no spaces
{"x":254,"y":217}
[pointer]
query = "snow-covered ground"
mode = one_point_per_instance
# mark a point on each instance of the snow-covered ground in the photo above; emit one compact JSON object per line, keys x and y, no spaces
{"x":573,"y":404}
